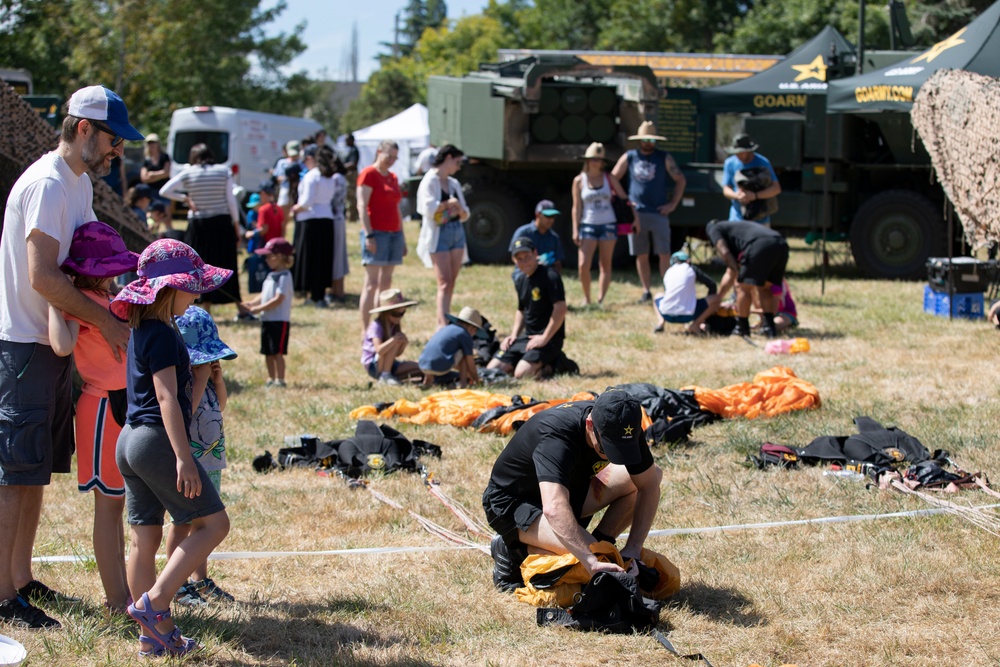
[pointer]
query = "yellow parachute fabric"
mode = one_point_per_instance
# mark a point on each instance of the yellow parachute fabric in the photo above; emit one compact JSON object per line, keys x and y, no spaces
{"x":458,"y":407}
{"x":576,"y":576}
{"x":771,"y":393}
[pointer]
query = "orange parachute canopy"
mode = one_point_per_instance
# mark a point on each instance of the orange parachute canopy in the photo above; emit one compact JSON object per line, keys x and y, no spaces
{"x":771,"y":393}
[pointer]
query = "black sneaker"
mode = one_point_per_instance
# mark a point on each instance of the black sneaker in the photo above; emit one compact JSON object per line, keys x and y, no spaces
{"x":36,"y":591}
{"x":645,"y":298}
{"x":507,"y":565}
{"x":21,"y":614}
{"x":209,"y":590}
{"x":769,"y":332}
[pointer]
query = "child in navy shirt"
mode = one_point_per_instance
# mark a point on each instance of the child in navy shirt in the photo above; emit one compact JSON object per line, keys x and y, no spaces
{"x":450,"y":348}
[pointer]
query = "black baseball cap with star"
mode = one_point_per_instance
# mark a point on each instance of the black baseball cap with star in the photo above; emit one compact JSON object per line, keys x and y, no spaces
{"x":617,"y":417}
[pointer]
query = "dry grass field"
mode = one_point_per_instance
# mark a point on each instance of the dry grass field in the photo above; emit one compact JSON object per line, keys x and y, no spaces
{"x":917,"y":591}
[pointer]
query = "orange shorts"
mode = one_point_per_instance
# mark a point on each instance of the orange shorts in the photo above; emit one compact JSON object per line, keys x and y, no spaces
{"x":96,"y":437}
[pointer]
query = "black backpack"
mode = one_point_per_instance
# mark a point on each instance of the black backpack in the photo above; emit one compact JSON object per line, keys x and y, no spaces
{"x":610,"y":602}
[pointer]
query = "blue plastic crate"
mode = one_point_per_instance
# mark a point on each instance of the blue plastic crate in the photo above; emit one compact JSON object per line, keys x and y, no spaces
{"x":968,"y":305}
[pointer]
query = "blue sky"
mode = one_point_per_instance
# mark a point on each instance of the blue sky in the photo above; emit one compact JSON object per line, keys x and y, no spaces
{"x":328,"y":33}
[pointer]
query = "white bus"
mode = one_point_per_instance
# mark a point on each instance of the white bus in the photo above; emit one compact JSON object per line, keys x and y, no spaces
{"x":248,"y":142}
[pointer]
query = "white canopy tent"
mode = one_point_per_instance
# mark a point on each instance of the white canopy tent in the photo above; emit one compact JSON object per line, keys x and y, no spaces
{"x":409,"y":129}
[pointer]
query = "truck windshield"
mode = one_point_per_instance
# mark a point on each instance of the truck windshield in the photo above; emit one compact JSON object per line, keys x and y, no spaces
{"x":218,"y":142}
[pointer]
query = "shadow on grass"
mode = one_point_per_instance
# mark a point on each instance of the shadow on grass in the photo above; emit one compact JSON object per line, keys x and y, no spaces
{"x":298,"y":633}
{"x":723,"y":605}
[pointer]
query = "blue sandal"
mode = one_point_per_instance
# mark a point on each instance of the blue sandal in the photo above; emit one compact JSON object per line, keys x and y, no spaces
{"x":149,"y":617}
{"x":157,"y":651}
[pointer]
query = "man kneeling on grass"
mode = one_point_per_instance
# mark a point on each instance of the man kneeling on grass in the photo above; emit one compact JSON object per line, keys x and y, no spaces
{"x":560,"y":468}
{"x":539,"y":323}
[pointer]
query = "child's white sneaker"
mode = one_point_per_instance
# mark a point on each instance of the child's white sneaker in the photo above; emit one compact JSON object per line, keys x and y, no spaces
{"x":389,"y":379}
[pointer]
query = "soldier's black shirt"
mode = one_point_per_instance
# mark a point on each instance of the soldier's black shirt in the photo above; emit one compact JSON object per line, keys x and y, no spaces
{"x":536,"y":296}
{"x":552,"y":447}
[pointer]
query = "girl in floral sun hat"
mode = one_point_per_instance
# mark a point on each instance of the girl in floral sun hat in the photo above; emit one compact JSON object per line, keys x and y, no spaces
{"x":154,"y":450}
{"x":96,"y":255}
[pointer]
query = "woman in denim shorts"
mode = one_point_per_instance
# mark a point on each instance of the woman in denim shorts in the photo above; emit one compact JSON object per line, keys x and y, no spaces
{"x":382,"y":242}
{"x":594,"y":219}
{"x":442,"y":235}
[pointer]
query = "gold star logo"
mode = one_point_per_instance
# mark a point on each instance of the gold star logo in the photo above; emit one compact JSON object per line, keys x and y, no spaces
{"x":939,"y":48}
{"x":814,"y":70}
{"x":628,"y":431}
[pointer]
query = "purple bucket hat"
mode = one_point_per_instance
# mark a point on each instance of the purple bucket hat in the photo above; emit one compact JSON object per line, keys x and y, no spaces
{"x":97,"y":251}
{"x":168,"y":263}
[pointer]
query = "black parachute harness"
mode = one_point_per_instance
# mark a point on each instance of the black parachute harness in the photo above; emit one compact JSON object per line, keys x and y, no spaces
{"x":611,"y":602}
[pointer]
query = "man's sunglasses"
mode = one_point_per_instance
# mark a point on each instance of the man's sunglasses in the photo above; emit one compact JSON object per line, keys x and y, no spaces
{"x":116,"y":139}
{"x":600,"y":442}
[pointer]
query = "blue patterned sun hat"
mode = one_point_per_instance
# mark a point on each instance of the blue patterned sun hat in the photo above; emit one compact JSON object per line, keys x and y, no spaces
{"x":201,"y":337}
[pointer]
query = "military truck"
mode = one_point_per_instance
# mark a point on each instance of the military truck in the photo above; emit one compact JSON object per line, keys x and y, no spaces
{"x":524,"y":126}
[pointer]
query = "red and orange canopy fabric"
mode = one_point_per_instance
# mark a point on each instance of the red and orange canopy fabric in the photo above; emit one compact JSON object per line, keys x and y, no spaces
{"x":771,"y":393}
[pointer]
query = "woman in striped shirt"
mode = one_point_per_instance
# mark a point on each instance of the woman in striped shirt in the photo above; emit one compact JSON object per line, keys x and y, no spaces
{"x":213,"y":217}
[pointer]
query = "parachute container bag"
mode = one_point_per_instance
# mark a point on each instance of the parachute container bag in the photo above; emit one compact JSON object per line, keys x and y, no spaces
{"x":610,"y":602}
{"x":571,"y":113}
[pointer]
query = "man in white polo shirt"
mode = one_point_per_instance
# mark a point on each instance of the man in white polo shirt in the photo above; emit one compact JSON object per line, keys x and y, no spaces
{"x":48,"y":202}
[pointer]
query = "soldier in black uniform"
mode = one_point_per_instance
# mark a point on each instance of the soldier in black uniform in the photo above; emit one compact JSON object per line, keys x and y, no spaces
{"x":755,"y":258}
{"x":539,"y":331}
{"x":562,"y":466}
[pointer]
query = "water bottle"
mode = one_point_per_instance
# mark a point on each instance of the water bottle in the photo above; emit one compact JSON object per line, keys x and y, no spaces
{"x":844,"y":474}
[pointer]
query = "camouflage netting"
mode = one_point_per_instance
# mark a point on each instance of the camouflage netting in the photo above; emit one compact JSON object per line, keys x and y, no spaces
{"x":957,"y":115}
{"x":24,"y":137}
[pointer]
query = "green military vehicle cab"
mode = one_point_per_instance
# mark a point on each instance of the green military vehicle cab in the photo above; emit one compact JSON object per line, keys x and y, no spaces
{"x":524,"y":126}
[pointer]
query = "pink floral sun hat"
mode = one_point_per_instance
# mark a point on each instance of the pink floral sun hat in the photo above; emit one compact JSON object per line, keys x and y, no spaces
{"x":98,"y":251}
{"x":168,"y":263}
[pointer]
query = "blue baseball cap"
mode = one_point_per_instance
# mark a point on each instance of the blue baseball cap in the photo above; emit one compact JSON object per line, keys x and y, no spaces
{"x":99,"y":103}
{"x":678,"y":257}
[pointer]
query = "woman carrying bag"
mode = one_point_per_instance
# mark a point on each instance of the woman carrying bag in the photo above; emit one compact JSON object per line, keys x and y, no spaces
{"x":594,"y":222}
{"x":441,"y":243}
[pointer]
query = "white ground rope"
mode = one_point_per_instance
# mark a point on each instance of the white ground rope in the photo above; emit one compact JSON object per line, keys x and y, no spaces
{"x":669,"y":532}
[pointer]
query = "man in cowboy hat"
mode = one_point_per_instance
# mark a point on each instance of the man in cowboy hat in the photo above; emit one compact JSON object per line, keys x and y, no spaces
{"x":652,"y":175}
{"x":48,"y":202}
{"x":563,"y":466}
{"x":743,"y":155}
{"x":539,"y":331}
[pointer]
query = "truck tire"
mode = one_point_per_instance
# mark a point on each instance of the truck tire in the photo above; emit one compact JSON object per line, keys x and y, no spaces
{"x":893,"y":234}
{"x":494,"y":213}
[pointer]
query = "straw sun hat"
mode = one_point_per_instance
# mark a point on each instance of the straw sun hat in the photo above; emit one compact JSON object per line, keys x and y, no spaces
{"x":647,"y":131}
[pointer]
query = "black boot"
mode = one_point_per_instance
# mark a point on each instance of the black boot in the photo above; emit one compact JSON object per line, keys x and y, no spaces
{"x":742,"y":327}
{"x":507,"y":565}
{"x":769,"y":329}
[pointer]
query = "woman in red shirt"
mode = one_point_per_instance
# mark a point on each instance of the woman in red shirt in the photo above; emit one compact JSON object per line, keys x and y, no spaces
{"x":382,"y":242}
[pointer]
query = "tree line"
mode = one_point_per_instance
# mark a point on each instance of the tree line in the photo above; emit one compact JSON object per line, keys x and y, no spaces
{"x":164,"y":54}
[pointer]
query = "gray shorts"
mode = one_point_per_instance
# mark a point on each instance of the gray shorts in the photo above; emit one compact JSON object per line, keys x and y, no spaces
{"x":36,"y":414}
{"x":149,"y":467}
{"x":654,"y":233}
